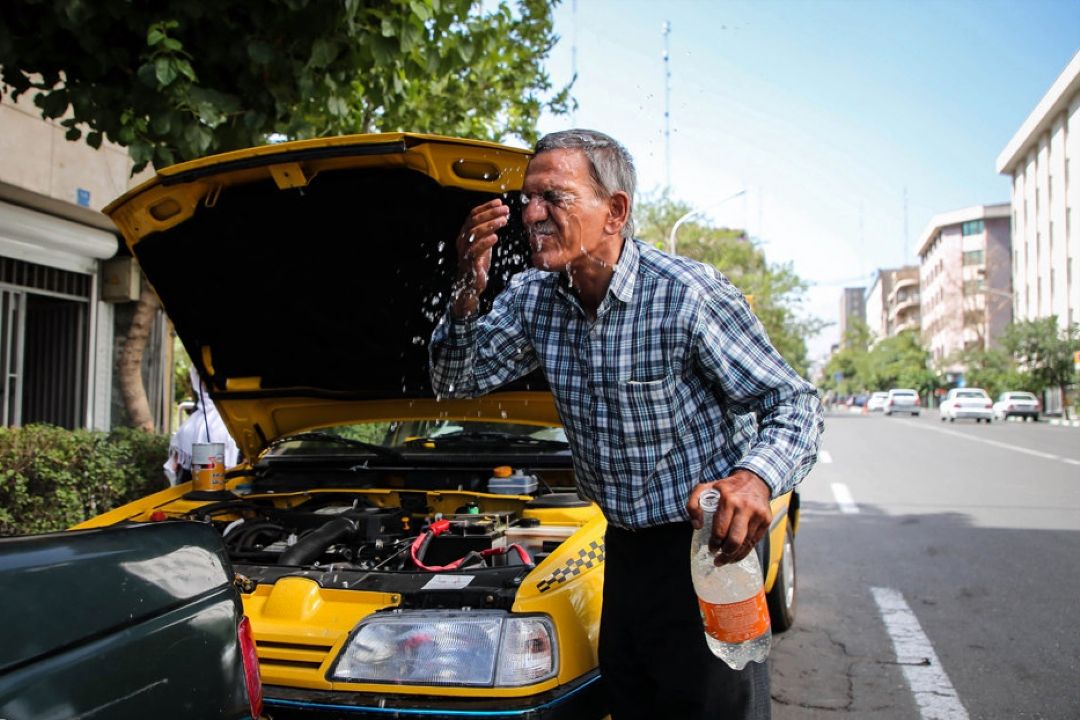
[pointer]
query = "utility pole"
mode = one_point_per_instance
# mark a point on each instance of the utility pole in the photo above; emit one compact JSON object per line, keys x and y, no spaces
{"x":666,"y":30}
{"x":573,"y":64}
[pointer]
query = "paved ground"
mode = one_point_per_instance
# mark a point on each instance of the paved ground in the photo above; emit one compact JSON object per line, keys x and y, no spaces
{"x":939,"y":565}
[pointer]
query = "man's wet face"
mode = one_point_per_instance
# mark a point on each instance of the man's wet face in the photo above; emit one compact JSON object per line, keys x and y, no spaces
{"x":563,"y":216}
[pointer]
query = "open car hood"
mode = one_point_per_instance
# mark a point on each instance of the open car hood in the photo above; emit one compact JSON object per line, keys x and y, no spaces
{"x":305,"y":278}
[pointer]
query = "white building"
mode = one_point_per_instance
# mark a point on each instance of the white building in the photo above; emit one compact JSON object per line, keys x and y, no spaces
{"x":964,"y":274}
{"x":892,"y":303}
{"x":1045,"y":197}
{"x":61,"y":324}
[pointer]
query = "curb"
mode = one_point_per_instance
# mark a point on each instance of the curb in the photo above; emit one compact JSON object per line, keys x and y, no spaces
{"x":1065,"y":423}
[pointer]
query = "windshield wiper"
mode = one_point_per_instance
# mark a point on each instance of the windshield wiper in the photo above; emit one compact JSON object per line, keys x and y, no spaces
{"x":381,"y":451}
{"x":490,"y":438}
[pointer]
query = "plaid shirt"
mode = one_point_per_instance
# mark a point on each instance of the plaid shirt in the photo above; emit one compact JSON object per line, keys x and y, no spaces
{"x":656,"y":394}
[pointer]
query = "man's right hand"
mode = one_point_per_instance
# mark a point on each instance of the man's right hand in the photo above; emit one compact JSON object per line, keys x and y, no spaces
{"x":478,"y":235}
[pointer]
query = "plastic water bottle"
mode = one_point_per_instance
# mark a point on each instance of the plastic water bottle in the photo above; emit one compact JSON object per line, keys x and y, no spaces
{"x":731,"y":598}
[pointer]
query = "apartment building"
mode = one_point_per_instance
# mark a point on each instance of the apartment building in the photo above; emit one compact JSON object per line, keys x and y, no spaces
{"x":892,"y":302}
{"x":1045,"y":198}
{"x":852,"y":308}
{"x":964,"y":273}
{"x":66,"y":300}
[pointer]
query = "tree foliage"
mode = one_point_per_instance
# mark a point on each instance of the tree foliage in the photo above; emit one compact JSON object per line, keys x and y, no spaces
{"x":778,"y":292}
{"x":1043,"y":353}
{"x":175,"y":80}
{"x":900,"y":361}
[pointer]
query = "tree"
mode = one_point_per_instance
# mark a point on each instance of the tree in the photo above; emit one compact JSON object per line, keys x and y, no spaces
{"x":1044,"y":353}
{"x":175,"y":80}
{"x":778,"y":292}
{"x":994,"y":370}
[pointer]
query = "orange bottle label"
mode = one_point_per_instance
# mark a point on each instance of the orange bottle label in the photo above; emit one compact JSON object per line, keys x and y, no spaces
{"x":736,"y":622}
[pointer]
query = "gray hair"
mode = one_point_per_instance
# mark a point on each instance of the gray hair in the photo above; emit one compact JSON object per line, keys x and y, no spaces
{"x":610,"y":164}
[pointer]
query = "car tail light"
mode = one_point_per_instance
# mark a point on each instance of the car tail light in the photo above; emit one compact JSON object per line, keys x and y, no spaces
{"x":988,"y":404}
{"x":251,"y":667}
{"x":918,"y":401}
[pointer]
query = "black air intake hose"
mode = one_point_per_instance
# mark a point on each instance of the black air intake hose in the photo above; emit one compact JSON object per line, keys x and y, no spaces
{"x":312,"y":546}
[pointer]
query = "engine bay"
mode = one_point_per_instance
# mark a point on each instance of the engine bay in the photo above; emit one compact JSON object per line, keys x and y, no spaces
{"x":395,"y":536}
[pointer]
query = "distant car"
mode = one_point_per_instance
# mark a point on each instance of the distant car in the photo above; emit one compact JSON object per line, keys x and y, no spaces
{"x":1017,"y":404}
{"x":967,"y":403}
{"x":902,"y":400}
{"x":876,"y":403}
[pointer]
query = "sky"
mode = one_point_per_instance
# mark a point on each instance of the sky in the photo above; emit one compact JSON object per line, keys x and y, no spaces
{"x":848,"y":124}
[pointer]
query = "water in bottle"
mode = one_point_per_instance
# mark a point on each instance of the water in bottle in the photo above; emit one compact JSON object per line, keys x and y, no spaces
{"x":731,"y":598}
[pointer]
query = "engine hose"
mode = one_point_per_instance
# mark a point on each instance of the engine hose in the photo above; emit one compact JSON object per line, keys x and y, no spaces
{"x":314,"y":544}
{"x":419,"y":545}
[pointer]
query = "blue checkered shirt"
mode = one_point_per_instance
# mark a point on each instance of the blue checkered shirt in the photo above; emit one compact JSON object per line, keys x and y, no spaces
{"x":657,"y":394}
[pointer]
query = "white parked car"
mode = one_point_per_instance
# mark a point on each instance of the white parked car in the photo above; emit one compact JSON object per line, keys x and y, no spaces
{"x":902,"y":400}
{"x":1017,"y":404}
{"x":876,"y":403}
{"x":967,"y":403}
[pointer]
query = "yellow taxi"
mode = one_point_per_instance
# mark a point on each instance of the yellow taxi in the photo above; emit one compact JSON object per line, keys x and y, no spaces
{"x":398,"y":554}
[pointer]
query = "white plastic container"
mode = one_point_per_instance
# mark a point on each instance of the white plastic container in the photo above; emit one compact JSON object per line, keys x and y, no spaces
{"x":533,"y":538}
{"x":517,"y":483}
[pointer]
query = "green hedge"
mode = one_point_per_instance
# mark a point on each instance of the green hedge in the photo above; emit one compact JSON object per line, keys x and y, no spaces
{"x":51,"y":478}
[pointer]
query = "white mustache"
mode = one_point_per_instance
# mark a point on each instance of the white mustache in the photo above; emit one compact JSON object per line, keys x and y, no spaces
{"x":542,"y":228}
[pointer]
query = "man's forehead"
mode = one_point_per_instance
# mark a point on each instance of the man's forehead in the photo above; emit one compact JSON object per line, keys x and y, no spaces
{"x":559,"y":167}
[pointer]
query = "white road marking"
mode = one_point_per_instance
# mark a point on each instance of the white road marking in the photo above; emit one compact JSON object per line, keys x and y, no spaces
{"x":844,"y":499}
{"x":935,"y":695}
{"x":824,"y":456}
{"x":995,"y":443}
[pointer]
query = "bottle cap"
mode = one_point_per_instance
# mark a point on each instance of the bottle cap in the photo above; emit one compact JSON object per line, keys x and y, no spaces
{"x":503,"y":471}
{"x":709,"y":500}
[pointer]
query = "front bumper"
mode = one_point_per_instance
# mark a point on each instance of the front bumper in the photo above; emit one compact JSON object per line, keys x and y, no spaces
{"x":581,"y":699}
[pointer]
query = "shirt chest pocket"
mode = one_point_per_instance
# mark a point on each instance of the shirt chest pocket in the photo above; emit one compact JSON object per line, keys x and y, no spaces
{"x":649,"y":420}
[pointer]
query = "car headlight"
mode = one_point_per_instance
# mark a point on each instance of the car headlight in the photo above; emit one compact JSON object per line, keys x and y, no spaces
{"x":450,"y":647}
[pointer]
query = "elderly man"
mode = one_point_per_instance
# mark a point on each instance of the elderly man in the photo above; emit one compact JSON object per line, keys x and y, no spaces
{"x":656,"y":364}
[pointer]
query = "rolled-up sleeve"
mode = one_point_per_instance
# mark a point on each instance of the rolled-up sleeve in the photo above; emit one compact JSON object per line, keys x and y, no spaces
{"x":473,"y":356}
{"x":734,"y":353}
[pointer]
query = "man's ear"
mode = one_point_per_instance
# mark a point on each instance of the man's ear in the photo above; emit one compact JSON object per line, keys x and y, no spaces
{"x":618,"y":213}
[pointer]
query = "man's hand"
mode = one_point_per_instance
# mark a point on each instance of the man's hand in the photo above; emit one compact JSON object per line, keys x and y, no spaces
{"x":742,"y":518}
{"x":478,"y":235}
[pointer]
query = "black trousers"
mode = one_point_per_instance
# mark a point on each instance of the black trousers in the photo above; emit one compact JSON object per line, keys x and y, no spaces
{"x":653,"y":657}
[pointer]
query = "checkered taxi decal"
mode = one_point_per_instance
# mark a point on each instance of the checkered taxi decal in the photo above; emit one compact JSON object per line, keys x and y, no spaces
{"x":588,"y":557}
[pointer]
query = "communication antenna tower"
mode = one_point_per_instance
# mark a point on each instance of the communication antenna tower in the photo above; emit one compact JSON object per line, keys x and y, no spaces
{"x":667,"y":102}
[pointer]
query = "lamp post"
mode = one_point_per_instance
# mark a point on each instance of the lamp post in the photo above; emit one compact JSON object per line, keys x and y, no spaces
{"x":692,"y":213}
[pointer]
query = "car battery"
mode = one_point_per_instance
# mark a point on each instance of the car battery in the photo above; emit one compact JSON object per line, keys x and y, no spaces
{"x":467,"y":533}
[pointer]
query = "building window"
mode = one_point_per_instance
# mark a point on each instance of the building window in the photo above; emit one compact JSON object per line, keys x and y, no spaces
{"x":973,"y":287}
{"x":973,"y":227}
{"x":973,"y":257}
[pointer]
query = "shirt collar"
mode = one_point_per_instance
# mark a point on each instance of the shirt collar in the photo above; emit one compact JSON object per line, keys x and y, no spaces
{"x":626,"y":270}
{"x":623,"y":279}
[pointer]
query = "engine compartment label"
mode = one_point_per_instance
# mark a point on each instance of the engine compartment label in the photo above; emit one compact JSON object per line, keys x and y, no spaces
{"x":448,"y":582}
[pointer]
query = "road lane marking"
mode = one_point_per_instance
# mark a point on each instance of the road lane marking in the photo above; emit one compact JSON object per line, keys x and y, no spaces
{"x":825,"y":456}
{"x":844,"y":499}
{"x":935,"y":695}
{"x":995,"y":443}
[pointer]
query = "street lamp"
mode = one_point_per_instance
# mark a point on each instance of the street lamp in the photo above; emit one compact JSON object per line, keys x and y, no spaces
{"x":687,"y":216}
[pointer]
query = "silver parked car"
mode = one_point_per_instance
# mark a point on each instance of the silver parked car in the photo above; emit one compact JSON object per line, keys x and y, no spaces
{"x":1017,"y":404}
{"x":967,"y":403}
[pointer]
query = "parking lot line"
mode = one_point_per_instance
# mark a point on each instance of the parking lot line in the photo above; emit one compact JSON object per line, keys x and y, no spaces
{"x":844,"y":498}
{"x":934,"y":693}
{"x":996,"y":443}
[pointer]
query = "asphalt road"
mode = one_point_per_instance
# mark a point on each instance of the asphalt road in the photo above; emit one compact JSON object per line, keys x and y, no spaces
{"x":939,"y":573}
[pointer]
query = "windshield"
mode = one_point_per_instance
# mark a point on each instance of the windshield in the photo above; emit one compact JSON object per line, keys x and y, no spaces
{"x":971,"y":394}
{"x":418,"y":435}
